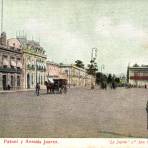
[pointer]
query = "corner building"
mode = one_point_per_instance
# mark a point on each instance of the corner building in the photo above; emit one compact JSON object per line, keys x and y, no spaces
{"x":34,"y":62}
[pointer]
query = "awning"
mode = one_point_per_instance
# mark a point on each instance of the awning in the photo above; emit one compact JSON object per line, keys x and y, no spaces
{"x":60,"y":79}
{"x":19,"y":64}
{"x":5,"y":62}
{"x":13,"y":63}
{"x":51,"y":80}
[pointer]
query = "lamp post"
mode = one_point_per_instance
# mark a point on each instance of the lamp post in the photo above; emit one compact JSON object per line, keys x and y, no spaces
{"x":2,"y":15}
{"x":147,"y":113}
{"x":36,"y":71}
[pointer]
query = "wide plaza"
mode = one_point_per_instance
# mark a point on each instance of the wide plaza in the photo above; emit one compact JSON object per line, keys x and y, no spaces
{"x":81,"y":112}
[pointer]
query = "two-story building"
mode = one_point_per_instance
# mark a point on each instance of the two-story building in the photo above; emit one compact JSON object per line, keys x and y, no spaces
{"x":137,"y":76}
{"x":10,"y":65}
{"x":77,"y":76}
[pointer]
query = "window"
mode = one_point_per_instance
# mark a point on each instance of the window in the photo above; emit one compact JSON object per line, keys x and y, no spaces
{"x":136,"y":73}
{"x":41,"y":80}
{"x":18,"y":80}
{"x":12,"y":81}
{"x":32,"y":79}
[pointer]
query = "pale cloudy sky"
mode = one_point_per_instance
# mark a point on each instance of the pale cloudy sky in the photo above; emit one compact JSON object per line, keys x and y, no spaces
{"x":69,"y":29}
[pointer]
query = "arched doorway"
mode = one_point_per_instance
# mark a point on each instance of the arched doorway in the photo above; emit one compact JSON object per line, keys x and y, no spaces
{"x":28,"y":81}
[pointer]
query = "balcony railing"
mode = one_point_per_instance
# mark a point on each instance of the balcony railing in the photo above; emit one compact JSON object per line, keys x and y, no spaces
{"x":10,"y":70}
{"x":30,"y":67}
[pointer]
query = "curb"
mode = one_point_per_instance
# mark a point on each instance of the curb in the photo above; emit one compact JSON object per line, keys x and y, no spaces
{"x":14,"y":91}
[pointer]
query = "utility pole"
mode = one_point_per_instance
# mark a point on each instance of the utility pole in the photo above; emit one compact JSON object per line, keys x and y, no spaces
{"x":2,"y":15}
{"x":36,"y":71}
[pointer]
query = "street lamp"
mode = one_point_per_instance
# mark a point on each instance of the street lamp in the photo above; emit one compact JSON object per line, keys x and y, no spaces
{"x":36,"y":71}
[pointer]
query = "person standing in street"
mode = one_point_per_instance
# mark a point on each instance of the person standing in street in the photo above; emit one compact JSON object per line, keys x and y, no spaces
{"x":37,"y":89}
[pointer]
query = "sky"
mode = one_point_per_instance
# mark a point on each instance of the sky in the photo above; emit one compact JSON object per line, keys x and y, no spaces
{"x":69,"y":29}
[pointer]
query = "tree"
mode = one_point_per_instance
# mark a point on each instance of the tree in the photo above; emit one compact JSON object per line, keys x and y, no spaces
{"x":117,"y":80}
{"x":100,"y":78}
{"x":61,"y":64}
{"x":135,"y":65}
{"x":79,"y":63}
{"x":92,"y":68}
{"x":109,"y":78}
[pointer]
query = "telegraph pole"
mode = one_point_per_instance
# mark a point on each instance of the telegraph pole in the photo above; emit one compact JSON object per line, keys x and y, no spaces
{"x":36,"y":70}
{"x":2,"y":15}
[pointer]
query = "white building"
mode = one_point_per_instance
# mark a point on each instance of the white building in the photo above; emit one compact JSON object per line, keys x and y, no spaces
{"x":137,"y":76}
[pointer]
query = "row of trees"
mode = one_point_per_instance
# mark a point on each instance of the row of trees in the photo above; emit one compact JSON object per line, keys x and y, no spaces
{"x":100,"y":77}
{"x":92,"y":69}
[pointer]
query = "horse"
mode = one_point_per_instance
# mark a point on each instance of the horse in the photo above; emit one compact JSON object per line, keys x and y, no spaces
{"x":49,"y":86}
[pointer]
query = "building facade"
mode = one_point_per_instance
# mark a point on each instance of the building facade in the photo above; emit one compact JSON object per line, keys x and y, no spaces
{"x":54,"y":71}
{"x":34,"y":61}
{"x":137,"y":76}
{"x":77,"y":76}
{"x":10,"y":66}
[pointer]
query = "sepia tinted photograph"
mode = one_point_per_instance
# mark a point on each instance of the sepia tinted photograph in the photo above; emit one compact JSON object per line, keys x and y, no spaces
{"x":73,"y":69}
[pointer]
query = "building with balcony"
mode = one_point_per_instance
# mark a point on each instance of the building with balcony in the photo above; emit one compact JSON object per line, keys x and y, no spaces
{"x":137,"y":76}
{"x":10,"y":65}
{"x":34,"y":61}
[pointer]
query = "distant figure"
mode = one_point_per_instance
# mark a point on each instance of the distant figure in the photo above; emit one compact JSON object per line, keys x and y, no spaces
{"x":65,"y":88}
{"x":113,"y":85}
{"x":8,"y":87}
{"x":37,"y":89}
{"x":145,"y":86}
{"x":105,"y":85}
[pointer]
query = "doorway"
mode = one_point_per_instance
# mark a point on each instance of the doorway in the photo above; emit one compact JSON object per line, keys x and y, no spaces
{"x":4,"y":82}
{"x":28,"y":81}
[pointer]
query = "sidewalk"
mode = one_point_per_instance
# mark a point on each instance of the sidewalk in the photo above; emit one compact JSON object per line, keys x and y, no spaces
{"x":13,"y":91}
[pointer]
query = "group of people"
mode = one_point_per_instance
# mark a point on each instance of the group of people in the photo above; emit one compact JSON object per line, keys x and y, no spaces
{"x":52,"y":88}
{"x":104,"y":85}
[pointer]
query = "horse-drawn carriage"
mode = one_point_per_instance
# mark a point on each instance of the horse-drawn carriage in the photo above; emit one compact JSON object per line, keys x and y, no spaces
{"x":56,"y":86}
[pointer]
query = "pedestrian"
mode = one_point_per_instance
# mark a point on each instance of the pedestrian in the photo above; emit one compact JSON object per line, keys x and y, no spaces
{"x":8,"y":85}
{"x":145,"y":86}
{"x":37,"y":89}
{"x":65,"y":88}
